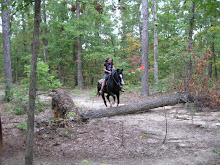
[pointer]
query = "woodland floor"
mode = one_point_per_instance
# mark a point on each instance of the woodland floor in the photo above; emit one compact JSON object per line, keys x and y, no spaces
{"x":135,"y":139}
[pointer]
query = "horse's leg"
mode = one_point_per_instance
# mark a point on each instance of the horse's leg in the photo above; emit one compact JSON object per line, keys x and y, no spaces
{"x":118,"y":94}
{"x":103,"y":97}
{"x":114,"y":99}
{"x":113,"y":96}
{"x":109,"y":100}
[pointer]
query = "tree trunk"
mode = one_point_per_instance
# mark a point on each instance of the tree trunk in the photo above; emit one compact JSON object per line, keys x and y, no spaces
{"x":145,"y":45}
{"x":188,"y":65}
{"x":134,"y":108}
{"x":207,"y":54}
{"x":214,"y":61}
{"x":74,"y":62}
{"x":59,"y":73}
{"x":7,"y":54}
{"x":32,"y":90}
{"x":79,"y":58}
{"x":1,"y":137}
{"x":45,"y":41}
{"x":215,"y":67}
{"x":155,"y":44}
{"x":140,"y":27}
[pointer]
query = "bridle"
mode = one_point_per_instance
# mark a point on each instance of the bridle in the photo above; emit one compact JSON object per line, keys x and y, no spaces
{"x":112,"y":75}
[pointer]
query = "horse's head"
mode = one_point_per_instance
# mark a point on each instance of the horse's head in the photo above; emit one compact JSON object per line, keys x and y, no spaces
{"x":120,"y":76}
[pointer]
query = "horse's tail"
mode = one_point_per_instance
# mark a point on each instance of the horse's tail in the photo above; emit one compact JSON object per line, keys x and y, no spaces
{"x":1,"y":137}
{"x":98,"y":94}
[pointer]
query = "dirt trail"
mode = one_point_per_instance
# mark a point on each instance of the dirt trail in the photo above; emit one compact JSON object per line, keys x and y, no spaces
{"x":121,"y":140}
{"x":192,"y":138}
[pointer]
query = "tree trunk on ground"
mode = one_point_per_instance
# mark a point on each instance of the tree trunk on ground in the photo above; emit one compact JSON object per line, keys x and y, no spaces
{"x":7,"y":54}
{"x":145,"y":46}
{"x":155,"y":44}
{"x":134,"y":108}
{"x":32,"y":90}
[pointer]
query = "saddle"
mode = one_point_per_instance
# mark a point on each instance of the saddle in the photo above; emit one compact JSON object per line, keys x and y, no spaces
{"x":101,"y":81}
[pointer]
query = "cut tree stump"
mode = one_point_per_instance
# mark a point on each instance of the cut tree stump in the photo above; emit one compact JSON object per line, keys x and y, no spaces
{"x":134,"y":108}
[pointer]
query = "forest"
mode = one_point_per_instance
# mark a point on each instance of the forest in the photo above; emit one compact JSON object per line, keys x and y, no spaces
{"x":165,"y":48}
{"x":113,"y":29}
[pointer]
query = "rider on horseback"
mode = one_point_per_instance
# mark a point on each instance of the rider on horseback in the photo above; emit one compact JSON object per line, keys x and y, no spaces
{"x":108,"y":68}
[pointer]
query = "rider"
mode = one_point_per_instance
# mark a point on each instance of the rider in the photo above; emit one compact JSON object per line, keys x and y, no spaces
{"x":108,"y":68}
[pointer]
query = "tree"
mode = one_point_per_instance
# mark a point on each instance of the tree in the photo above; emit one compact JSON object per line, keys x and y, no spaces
{"x":155,"y":44}
{"x":32,"y":89}
{"x":79,"y":44}
{"x":188,"y":67}
{"x":145,"y":45}
{"x":45,"y":40}
{"x":1,"y":137}
{"x":7,"y":54}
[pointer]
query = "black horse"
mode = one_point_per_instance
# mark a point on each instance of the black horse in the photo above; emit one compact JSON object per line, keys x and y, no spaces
{"x":112,"y":86}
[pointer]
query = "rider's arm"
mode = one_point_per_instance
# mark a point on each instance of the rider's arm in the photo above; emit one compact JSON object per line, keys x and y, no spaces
{"x":106,"y":69}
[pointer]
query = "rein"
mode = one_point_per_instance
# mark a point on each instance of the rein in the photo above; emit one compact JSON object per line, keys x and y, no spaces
{"x":110,"y":75}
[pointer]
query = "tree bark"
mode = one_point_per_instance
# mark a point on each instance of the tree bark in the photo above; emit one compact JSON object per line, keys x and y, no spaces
{"x":62,"y":103}
{"x":207,"y":53}
{"x":145,"y":45}
{"x":32,"y":89}
{"x":45,"y":40}
{"x":188,"y":65}
{"x":1,"y":137}
{"x":7,"y":53}
{"x":134,"y":108}
{"x":79,"y":58}
{"x":155,"y":44}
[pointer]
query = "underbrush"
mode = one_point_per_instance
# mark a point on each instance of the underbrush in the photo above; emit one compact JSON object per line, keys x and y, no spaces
{"x":19,"y":103}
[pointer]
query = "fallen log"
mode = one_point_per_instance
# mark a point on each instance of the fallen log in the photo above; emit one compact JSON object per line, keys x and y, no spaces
{"x":134,"y":108}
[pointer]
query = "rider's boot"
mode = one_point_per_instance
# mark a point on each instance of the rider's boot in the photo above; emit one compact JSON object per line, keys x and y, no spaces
{"x":101,"y":91}
{"x":122,"y":89}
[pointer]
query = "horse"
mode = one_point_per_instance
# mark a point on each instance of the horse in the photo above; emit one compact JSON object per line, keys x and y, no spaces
{"x":112,"y":86}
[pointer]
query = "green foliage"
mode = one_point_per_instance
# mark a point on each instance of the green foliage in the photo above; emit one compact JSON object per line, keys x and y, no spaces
{"x":86,"y":162}
{"x":216,"y":151}
{"x":19,"y":103}
{"x":44,"y":78}
{"x":22,"y":126}
{"x":143,"y":136}
{"x":76,"y":92}
{"x":68,"y":132}
{"x":114,"y":32}
{"x":163,"y":86}
{"x":71,"y":114}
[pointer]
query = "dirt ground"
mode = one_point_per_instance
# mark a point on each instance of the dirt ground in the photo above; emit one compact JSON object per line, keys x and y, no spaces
{"x":137,"y":139}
